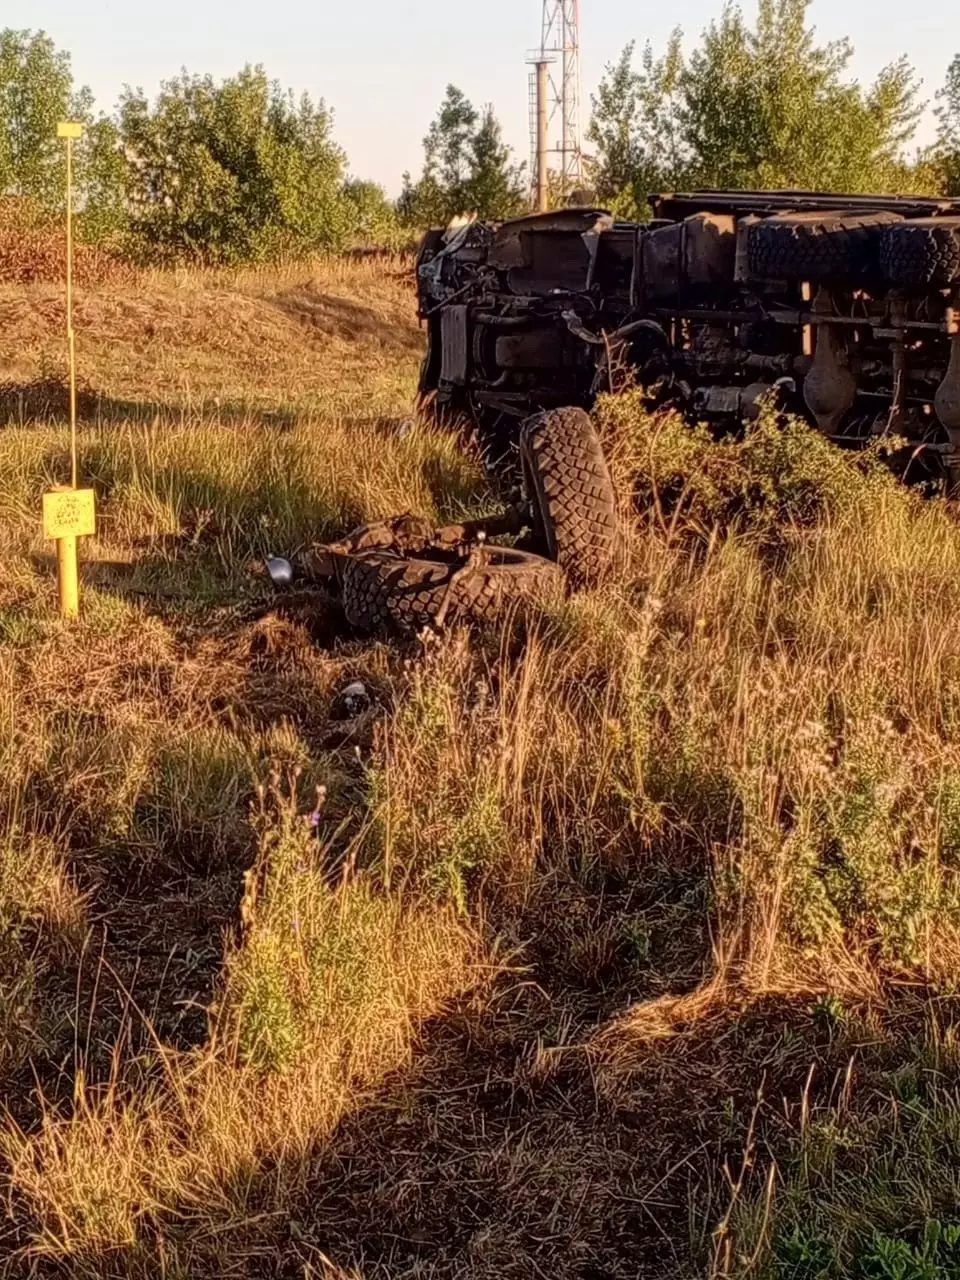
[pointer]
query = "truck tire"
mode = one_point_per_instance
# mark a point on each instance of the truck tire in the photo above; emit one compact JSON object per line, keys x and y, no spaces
{"x":819,"y":247}
{"x":383,"y":591}
{"x":569,"y":486}
{"x":922,"y":251}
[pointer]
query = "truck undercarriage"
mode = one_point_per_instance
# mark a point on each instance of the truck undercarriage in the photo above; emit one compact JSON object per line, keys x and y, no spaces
{"x":846,"y":308}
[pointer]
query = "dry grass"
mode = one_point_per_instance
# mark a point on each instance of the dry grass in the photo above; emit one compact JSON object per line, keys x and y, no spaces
{"x":219,"y":347}
{"x":566,"y":907}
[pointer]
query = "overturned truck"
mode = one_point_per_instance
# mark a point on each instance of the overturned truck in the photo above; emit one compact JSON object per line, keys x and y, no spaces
{"x":846,"y":308}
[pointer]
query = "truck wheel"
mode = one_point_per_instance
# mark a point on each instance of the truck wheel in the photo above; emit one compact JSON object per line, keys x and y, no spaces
{"x":923,"y":251}
{"x":383,"y":591}
{"x":820,"y":247}
{"x":569,"y":486}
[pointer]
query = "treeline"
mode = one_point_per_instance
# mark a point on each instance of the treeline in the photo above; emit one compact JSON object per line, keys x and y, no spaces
{"x":242,"y":171}
{"x":235,"y":171}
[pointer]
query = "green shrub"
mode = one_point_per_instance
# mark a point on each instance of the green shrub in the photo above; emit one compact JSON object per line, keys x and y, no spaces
{"x":232,"y":172}
{"x":777,"y":475}
{"x":935,"y":1257}
{"x":870,"y":1197}
{"x":326,"y":961}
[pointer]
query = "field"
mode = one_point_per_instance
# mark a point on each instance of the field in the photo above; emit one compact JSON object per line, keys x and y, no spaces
{"x":623,"y":943}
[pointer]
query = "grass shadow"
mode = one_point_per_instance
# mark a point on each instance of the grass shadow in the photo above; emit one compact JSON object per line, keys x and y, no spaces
{"x":330,"y":316}
{"x":501,"y":1154}
{"x":164,"y":762}
{"x":47,"y":399}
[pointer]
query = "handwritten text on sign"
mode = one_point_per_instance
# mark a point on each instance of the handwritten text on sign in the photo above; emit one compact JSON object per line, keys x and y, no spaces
{"x":69,"y":513}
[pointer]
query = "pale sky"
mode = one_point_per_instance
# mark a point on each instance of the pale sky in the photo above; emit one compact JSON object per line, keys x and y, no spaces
{"x":383,"y":66}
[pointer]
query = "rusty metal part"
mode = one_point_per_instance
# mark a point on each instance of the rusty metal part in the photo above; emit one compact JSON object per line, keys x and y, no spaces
{"x":543,"y":137}
{"x":510,"y":523}
{"x":697,"y":253}
{"x":408,"y":535}
{"x":680,"y":205}
{"x":476,"y":561}
{"x":806,"y":292}
{"x":454,"y":344}
{"x":830,"y":388}
{"x":899,"y":351}
{"x":947,"y":404}
{"x":406,"y":532}
{"x":742,"y":403}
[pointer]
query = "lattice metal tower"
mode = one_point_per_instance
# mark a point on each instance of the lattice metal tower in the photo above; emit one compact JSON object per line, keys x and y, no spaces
{"x":560,"y":52}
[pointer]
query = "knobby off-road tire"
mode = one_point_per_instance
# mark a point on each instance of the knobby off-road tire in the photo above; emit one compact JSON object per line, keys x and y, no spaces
{"x":382,"y":591}
{"x":828,"y":248}
{"x":922,"y":251}
{"x":569,"y":486}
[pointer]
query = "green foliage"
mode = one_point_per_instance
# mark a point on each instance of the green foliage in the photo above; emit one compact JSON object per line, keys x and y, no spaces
{"x":191,"y":809}
{"x":948,"y":136}
{"x":828,"y":1013}
{"x":324,"y":963}
{"x":36,"y":92}
{"x":768,"y":107}
{"x":214,"y":173}
{"x":636,"y":129}
{"x":103,"y":217}
{"x":372,"y":219}
{"x":298,"y":944}
{"x":935,"y":1257}
{"x":232,"y":172}
{"x":38,"y":915}
{"x":802,"y":1257}
{"x":948,"y":812}
{"x":760,"y":106}
{"x":495,"y":187}
{"x":440,"y":834}
{"x":839,"y":809}
{"x":19,"y":627}
{"x":775,"y":476}
{"x":871,"y":1199}
{"x":446,"y":150}
{"x":467,"y":169}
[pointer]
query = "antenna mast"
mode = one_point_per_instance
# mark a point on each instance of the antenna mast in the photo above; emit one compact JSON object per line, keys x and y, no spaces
{"x":559,"y":55}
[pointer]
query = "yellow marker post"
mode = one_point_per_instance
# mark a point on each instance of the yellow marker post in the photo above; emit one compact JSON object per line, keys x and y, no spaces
{"x":69,"y":514}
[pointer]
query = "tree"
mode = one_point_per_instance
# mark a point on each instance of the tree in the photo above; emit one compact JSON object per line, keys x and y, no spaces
{"x":494,"y":187}
{"x":754,"y":106}
{"x":447,"y":146}
{"x":231,"y":172}
{"x":104,"y":182}
{"x":635,"y":128}
{"x":768,"y":107}
{"x":36,"y":92}
{"x":467,"y":168}
{"x":948,"y":135}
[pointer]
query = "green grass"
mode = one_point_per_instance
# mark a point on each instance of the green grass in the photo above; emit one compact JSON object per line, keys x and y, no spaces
{"x":871,"y":1196}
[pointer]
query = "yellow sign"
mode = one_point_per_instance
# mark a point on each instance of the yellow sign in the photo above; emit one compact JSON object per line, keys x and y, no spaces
{"x":69,"y":129}
{"x":69,"y":513}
